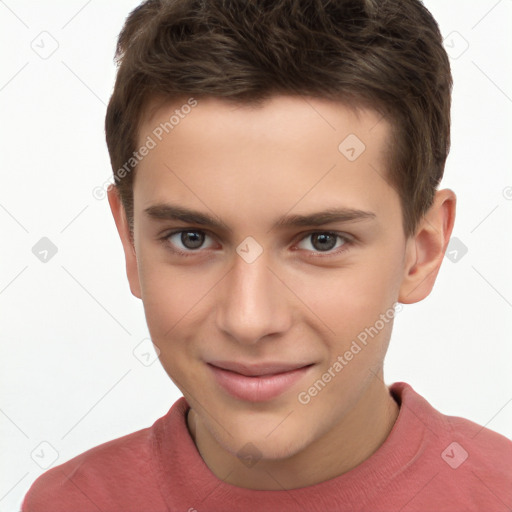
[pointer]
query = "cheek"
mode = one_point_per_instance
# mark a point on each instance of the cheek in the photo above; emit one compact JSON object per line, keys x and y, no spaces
{"x":171,"y":307}
{"x":169,"y":298}
{"x":350,"y":299}
{"x":348,"y":303}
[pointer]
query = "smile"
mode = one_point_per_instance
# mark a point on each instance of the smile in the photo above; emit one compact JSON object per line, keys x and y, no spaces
{"x":257,"y":383}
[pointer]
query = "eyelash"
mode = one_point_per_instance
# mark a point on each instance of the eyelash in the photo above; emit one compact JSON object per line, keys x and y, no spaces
{"x":348,"y":243}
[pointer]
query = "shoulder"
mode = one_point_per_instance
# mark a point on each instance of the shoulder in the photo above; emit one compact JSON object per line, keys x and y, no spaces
{"x":102,"y":478}
{"x":481,"y":447}
{"x":477,"y":465}
{"x":485,"y":445}
{"x":470,"y":464}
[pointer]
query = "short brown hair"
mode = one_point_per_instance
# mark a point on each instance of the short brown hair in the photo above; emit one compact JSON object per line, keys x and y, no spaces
{"x":387,"y":54}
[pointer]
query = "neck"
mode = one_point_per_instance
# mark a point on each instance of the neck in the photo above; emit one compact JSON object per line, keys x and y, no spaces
{"x":355,"y":438}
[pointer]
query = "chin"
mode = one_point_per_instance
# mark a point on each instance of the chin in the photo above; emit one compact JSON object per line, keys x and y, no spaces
{"x":282,"y":443}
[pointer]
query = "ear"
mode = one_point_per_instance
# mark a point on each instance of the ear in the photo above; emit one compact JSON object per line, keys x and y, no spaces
{"x":425,"y":250}
{"x":123,"y":229}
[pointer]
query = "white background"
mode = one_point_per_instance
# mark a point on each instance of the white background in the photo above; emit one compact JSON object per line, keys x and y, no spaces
{"x":68,"y":374}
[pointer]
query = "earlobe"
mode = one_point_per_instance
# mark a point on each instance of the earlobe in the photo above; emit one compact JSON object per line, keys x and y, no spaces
{"x":119,"y":214}
{"x":425,"y":250}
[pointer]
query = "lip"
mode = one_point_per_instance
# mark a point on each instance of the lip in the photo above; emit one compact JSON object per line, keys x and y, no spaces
{"x":259,"y":382}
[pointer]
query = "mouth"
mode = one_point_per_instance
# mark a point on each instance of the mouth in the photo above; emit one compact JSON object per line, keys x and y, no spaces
{"x":257,"y":383}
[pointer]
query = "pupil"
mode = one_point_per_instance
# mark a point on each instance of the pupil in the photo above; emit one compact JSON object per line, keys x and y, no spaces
{"x":324,"y":241}
{"x":192,"y":239}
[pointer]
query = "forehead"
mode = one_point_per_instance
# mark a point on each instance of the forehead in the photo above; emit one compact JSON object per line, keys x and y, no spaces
{"x":284,"y":151}
{"x":323,"y":113}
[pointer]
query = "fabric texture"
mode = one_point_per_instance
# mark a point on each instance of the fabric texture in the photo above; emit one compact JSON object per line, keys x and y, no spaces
{"x":429,"y":462}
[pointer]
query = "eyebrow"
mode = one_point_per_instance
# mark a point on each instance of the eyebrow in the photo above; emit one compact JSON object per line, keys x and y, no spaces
{"x":166,"y":211}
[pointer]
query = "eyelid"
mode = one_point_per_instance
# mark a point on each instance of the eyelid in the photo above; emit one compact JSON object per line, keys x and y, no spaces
{"x":341,"y":234}
{"x":349,"y":240}
{"x":165,"y":239}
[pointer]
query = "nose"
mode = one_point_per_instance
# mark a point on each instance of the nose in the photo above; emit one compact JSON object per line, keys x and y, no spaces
{"x":253,"y":302}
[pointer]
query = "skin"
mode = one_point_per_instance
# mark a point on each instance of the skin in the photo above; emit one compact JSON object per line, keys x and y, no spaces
{"x":247,"y":167}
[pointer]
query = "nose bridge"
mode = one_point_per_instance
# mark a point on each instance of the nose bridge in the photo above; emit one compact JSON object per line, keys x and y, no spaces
{"x":252,"y":303}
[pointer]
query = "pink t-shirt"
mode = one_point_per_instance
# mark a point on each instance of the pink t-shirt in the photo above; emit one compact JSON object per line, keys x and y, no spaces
{"x":429,"y":462}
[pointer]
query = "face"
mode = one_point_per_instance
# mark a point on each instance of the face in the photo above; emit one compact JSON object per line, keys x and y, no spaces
{"x":270,"y":252}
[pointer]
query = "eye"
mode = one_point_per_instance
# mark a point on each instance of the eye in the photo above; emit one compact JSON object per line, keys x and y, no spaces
{"x":187,"y":240}
{"x":323,"y":242}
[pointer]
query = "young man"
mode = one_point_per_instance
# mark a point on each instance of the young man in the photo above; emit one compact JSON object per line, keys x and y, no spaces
{"x":276,"y":167}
